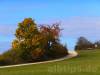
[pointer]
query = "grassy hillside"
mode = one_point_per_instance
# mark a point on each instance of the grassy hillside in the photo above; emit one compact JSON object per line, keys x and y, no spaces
{"x":87,"y":63}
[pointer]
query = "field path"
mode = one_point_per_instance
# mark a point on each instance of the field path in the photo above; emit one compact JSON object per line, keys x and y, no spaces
{"x":71,"y":55}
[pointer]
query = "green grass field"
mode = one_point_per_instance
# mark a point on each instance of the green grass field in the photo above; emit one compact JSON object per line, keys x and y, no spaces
{"x":87,"y":63}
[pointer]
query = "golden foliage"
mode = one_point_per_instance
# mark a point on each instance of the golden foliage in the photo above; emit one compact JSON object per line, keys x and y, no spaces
{"x":27,"y":21}
{"x":15,"y":44}
{"x":37,"y":53}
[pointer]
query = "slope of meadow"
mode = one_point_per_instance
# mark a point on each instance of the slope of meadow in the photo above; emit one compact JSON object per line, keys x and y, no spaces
{"x":87,"y":63}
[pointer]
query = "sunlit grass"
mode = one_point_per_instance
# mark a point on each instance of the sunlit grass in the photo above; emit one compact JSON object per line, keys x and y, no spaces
{"x":87,"y":63}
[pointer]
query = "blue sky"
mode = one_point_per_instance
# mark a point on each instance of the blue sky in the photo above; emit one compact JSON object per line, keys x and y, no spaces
{"x":78,"y":18}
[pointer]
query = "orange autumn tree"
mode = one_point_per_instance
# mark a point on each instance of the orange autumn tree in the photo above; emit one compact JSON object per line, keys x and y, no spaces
{"x":27,"y":39}
{"x":25,"y":32}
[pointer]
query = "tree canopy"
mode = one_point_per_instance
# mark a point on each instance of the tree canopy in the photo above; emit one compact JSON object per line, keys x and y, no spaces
{"x":36,"y":41}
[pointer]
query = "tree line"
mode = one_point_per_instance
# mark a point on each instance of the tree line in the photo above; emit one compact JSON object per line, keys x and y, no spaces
{"x":34,"y":43}
{"x":85,"y":44}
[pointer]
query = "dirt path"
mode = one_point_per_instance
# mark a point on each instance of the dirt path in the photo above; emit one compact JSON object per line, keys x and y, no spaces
{"x":71,"y":55}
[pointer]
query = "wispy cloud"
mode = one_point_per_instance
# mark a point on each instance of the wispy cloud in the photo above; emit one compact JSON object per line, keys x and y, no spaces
{"x":82,"y":26}
{"x":6,"y":30}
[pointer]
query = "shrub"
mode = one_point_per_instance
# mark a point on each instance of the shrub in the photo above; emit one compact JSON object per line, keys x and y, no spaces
{"x":37,"y":54}
{"x":57,"y":50}
{"x":11,"y":57}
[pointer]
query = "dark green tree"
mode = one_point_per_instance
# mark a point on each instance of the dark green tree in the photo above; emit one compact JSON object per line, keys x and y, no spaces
{"x":83,"y":44}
